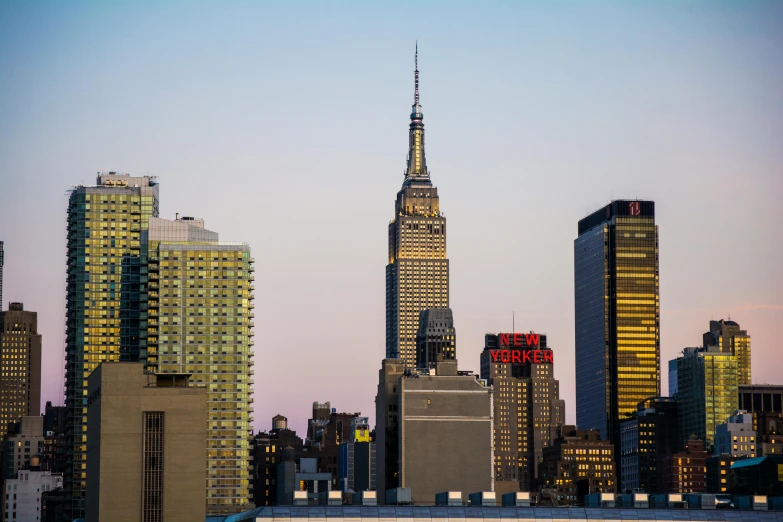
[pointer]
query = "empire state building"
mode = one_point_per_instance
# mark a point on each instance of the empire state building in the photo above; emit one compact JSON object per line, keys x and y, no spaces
{"x":417,"y":276}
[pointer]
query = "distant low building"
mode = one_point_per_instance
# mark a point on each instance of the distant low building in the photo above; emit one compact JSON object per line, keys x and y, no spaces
{"x":23,"y":494}
{"x":577,"y":463}
{"x":300,"y":475}
{"x":686,"y":470}
{"x":736,"y":436}
{"x":718,"y":472}
{"x":25,"y":442}
{"x":759,"y":476}
{"x":267,"y":453}
{"x":356,"y":468}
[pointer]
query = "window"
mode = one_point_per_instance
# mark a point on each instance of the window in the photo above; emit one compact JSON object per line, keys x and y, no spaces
{"x":152,"y":467}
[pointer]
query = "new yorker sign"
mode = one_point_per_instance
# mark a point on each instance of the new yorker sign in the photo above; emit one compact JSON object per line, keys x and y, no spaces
{"x":520,"y":348}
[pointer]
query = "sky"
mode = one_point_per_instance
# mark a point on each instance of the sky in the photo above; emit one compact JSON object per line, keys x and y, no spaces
{"x":284,"y":124}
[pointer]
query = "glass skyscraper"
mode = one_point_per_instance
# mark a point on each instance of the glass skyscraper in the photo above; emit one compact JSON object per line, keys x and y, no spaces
{"x":106,"y":283}
{"x":617,"y":314}
{"x":200,"y":323}
{"x":417,"y":275}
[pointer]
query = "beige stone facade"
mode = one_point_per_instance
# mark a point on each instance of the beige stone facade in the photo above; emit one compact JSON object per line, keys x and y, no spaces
{"x":146,"y":446}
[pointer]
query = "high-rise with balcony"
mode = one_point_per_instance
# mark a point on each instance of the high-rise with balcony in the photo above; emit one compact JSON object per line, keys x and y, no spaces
{"x":106,"y":317}
{"x":617,"y":315}
{"x":417,"y":273}
{"x":200,"y":323}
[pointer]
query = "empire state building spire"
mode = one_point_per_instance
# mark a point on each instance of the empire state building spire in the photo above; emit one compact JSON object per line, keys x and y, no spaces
{"x":417,"y":163}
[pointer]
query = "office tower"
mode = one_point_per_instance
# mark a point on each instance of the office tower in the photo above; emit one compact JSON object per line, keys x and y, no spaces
{"x":267,"y":453}
{"x":729,"y":338}
{"x":577,"y":463}
{"x":686,"y":470}
{"x":22,"y":444}
{"x":645,"y":440}
{"x":105,"y":297}
{"x":20,"y":360}
{"x":441,"y":426}
{"x":527,"y":407}
{"x":25,"y":492}
{"x":146,"y":445}
{"x":617,"y":314}
{"x":706,"y":392}
{"x":736,"y":436}
{"x":436,"y":337}
{"x":357,"y":458}
{"x":2,"y":262}
{"x":417,"y":276}
{"x":200,"y":323}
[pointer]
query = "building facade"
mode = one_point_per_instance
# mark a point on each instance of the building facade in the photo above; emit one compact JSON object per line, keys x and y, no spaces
{"x":443,"y":431}
{"x":729,"y":338}
{"x":267,"y":453}
{"x":645,"y":441}
{"x":25,"y":442}
{"x":146,"y":446}
{"x":200,"y":323}
{"x":617,"y":314}
{"x":761,"y":397}
{"x":436,"y":337}
{"x":578,"y":462}
{"x":736,"y":436}
{"x":686,"y":470}
{"x":417,"y":273}
{"x":105,"y":297}
{"x":706,"y":392}
{"x":20,"y":360}
{"x":23,"y":494}
{"x":528,"y":411}
{"x":357,"y":460}
{"x":719,"y":472}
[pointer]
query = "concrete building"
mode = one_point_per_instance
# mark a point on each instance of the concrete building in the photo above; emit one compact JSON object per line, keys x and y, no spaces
{"x":200,"y":303}
{"x":527,"y":408}
{"x":434,"y":431}
{"x":617,"y":321}
{"x":645,"y":440}
{"x":20,"y":365}
{"x":23,"y":494}
{"x":578,"y":462}
{"x":267,"y":453}
{"x":104,"y":296}
{"x":706,"y":391}
{"x":685,"y":471}
{"x":146,"y":446}
{"x":25,"y":442}
{"x":736,"y":436}
{"x":728,"y":337}
{"x":436,"y":337}
{"x":417,"y":273}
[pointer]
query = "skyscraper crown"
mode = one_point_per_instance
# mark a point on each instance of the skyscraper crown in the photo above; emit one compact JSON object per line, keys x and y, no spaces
{"x":417,"y":163}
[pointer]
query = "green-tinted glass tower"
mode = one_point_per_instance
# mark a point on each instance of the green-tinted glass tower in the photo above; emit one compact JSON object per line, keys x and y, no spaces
{"x":106,"y":285}
{"x":200,"y":323}
{"x":707,"y":391}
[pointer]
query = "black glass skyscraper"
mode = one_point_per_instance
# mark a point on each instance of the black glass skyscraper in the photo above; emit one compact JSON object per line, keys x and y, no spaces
{"x":617,"y":314}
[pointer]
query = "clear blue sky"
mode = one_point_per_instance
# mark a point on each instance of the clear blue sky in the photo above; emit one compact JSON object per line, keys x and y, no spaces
{"x":285,"y":125}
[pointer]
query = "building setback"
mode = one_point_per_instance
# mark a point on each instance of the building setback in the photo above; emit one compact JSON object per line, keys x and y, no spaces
{"x":645,"y":440}
{"x":617,"y":315}
{"x":200,"y":323}
{"x":146,"y":446}
{"x":105,"y":289}
{"x":20,"y":362}
{"x":706,"y":391}
{"x":578,"y":462}
{"x":417,"y":274}
{"x":528,"y":411}
{"x":436,"y":337}
{"x":442,"y":423}
{"x":729,"y":338}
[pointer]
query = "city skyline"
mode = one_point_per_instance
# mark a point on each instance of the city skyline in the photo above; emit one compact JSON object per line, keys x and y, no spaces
{"x":305,"y":175}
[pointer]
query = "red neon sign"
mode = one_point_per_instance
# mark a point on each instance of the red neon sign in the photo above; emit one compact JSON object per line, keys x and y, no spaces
{"x":535,"y":356}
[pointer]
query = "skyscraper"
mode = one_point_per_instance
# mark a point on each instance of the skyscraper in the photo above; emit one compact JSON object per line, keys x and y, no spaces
{"x":527,"y":407}
{"x":617,"y":314}
{"x":20,"y":365}
{"x":436,"y":337}
{"x":200,"y":323}
{"x":729,"y":338}
{"x":106,"y":317}
{"x":2,"y":262}
{"x":417,"y":276}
